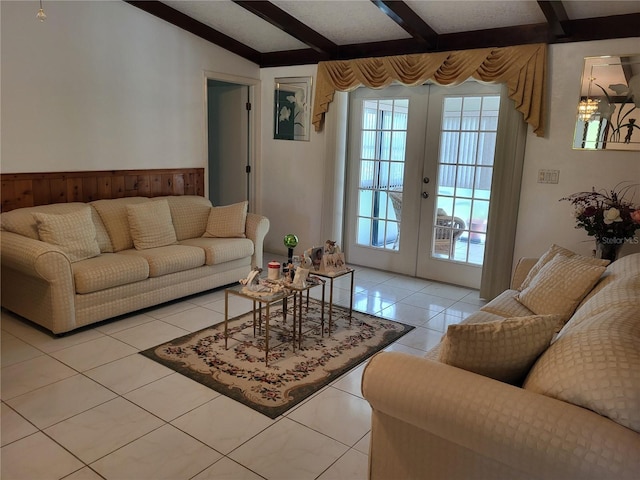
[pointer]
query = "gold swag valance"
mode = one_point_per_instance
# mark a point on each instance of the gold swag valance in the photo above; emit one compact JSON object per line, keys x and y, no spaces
{"x":522,"y":68}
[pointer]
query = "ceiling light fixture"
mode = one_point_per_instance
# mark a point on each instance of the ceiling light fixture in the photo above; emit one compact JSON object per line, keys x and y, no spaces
{"x":41,"y":15}
{"x":586,"y":108}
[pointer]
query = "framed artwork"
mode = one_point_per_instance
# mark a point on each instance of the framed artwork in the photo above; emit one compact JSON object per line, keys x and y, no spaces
{"x":608,"y":114}
{"x":292,"y":108}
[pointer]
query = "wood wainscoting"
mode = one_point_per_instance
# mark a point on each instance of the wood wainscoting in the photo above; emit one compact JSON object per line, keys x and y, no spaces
{"x":32,"y":189}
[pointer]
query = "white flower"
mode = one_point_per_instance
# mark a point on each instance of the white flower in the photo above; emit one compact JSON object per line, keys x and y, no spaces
{"x":612,"y":215}
{"x":285,"y":113}
{"x":578,"y":211}
{"x":298,"y":99}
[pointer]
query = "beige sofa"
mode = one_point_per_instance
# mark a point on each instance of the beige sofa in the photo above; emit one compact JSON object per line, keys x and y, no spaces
{"x":576,"y":415}
{"x":112,"y":257}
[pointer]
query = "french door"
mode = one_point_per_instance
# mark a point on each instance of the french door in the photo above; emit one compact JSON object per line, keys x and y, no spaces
{"x":420,"y":170}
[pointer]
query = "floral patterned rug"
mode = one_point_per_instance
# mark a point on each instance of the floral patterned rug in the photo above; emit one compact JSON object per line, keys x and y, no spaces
{"x":240,"y":371}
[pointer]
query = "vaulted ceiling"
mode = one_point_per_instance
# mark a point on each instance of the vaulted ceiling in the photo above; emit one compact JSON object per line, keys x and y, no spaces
{"x":298,"y":32}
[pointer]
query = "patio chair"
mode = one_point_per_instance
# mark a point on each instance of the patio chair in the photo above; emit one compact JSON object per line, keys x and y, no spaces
{"x":447,"y":232}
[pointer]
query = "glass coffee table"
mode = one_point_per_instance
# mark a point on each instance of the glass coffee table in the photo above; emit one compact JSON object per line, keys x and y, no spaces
{"x":332,"y":276}
{"x":267,"y":301}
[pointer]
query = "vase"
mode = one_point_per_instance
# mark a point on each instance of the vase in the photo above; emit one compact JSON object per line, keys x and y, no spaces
{"x":607,"y":249}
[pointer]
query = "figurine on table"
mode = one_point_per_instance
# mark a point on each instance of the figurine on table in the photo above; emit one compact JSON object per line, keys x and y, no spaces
{"x":252,"y":282}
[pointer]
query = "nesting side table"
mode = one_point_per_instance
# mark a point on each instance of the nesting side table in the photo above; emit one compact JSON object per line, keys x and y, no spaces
{"x":332,"y":276}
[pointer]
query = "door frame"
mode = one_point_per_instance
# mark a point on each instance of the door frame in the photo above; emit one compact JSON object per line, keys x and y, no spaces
{"x":254,"y":132}
{"x":414,"y":187}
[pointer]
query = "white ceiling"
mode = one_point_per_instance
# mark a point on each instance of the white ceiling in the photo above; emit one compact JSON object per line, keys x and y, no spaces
{"x":348,"y":22}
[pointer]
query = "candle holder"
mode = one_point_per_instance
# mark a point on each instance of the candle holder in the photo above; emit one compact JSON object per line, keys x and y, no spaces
{"x":290,"y":241}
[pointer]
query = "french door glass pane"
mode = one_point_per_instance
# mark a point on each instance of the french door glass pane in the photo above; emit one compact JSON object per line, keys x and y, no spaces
{"x":382,"y":156}
{"x":465,"y":170}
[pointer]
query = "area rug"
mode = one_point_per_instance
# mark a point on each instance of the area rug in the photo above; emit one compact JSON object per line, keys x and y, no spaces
{"x":240,"y":373}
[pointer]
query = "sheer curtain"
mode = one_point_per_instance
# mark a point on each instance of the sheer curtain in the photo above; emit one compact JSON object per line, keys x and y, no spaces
{"x":505,"y":199}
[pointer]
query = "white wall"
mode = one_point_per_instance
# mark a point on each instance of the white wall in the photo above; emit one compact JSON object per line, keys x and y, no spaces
{"x":103,"y":85}
{"x":291,"y":172}
{"x":542,"y":218}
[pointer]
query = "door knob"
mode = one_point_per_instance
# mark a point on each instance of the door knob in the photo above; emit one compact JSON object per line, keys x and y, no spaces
{"x":425,"y":180}
{"x":425,"y":194}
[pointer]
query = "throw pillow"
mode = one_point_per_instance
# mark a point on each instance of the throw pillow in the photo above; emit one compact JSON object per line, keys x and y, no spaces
{"x":596,"y":364}
{"x":560,"y":285}
{"x":150,"y":225}
{"x":73,"y":232}
{"x":503,"y":350}
{"x":549,"y":255}
{"x":228,"y":221}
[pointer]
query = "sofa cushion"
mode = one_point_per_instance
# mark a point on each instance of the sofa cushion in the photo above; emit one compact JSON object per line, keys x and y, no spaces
{"x":22,"y":221}
{"x":221,"y":250}
{"x":189,"y":214}
{"x":560,"y":285}
{"x":506,"y":305}
{"x":73,"y":232}
{"x":550,"y":254}
{"x":504,"y":350}
{"x":475,"y":317}
{"x":113,"y":213}
{"x":228,"y":221}
{"x":596,"y":365}
{"x":169,"y":259}
{"x":150,"y":225}
{"x":108,"y":270}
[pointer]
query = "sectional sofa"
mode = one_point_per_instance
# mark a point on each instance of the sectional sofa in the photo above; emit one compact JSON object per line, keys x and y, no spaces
{"x":72,"y":264}
{"x":503,"y":396}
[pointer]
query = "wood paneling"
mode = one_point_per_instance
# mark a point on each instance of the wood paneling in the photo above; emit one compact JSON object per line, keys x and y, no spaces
{"x":31,"y":189}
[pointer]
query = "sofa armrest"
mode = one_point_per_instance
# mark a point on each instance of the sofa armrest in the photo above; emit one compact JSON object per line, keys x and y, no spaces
{"x":37,"y":282}
{"x":522,"y":269}
{"x":537,"y":435}
{"x":256,"y":229}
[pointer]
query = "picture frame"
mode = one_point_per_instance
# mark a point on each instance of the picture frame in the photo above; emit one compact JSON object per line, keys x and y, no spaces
{"x":607,"y":114}
{"x":292,"y":108}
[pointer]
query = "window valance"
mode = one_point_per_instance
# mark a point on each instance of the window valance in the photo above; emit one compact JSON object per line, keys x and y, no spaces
{"x":522,"y":68}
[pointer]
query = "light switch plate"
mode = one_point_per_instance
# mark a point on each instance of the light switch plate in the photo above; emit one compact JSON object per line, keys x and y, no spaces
{"x":548,"y":176}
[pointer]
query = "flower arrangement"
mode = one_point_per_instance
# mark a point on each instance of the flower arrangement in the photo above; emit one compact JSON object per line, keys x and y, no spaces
{"x":606,"y":215}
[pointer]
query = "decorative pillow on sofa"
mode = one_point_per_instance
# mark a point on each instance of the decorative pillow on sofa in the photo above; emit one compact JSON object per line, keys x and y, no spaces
{"x":504,"y":350}
{"x":595,"y":364}
{"x":73,"y":232}
{"x":113,"y":213}
{"x":560,"y":285}
{"x":228,"y":221}
{"x":549,"y":255}
{"x":150,"y":225}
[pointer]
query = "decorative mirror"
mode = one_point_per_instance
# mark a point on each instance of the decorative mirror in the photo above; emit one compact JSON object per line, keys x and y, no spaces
{"x":608,"y":114}
{"x":292,"y":108}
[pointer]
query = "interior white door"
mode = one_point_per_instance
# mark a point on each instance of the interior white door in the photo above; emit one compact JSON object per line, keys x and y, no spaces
{"x":419,"y":179}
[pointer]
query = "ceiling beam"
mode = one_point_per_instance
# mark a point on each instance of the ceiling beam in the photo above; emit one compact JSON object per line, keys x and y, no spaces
{"x":187,"y":23}
{"x":291,"y":25}
{"x":603,"y":28}
{"x":411,"y":22}
{"x":556,"y":16}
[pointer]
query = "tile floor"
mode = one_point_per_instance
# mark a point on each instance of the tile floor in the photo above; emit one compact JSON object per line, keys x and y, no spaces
{"x":87,"y":406}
